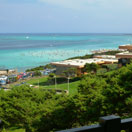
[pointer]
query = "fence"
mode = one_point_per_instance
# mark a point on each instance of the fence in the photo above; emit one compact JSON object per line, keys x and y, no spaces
{"x":106,"y":124}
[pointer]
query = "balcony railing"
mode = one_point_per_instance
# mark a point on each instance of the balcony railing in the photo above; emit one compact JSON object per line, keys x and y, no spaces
{"x":106,"y":124}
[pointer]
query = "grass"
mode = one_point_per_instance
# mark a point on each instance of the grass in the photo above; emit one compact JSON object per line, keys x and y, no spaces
{"x":13,"y":129}
{"x":42,"y":84}
{"x":37,"y":81}
{"x":72,"y":87}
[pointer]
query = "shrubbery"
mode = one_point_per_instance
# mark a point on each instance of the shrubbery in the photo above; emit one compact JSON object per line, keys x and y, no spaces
{"x":39,"y":111}
{"x":88,"y":56}
{"x":37,"y":73}
{"x":48,"y":66}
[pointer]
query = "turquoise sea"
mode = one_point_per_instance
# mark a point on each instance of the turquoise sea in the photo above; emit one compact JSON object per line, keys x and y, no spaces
{"x":22,"y":51}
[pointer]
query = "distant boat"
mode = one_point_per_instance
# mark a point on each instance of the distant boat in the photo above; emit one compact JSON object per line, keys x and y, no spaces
{"x":27,"y":37}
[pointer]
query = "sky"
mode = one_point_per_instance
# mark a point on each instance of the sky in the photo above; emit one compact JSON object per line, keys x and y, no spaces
{"x":65,"y":16}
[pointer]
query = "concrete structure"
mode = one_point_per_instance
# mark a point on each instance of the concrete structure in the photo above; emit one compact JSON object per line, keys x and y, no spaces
{"x":127,"y":53}
{"x":124,"y":57}
{"x":126,"y":47}
{"x":105,"y":56}
{"x":79,"y":64}
{"x":7,"y":72}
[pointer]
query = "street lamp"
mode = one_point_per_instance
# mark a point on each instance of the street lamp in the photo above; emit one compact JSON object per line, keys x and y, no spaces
{"x":38,"y":83}
{"x":55,"y":82}
{"x":68,"y":83}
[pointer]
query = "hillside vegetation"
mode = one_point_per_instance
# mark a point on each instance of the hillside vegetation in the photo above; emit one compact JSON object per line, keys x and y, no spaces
{"x":88,"y":56}
{"x":37,"y":110}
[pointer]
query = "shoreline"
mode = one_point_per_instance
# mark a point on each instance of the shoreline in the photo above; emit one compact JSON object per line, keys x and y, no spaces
{"x":26,"y":51}
{"x":49,"y":68}
{"x":23,"y":69}
{"x":94,"y":52}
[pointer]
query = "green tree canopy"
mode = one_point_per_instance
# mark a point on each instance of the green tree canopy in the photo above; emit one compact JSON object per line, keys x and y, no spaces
{"x":91,"y":67}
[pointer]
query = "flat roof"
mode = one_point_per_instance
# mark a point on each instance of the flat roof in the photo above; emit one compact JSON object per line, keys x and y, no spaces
{"x":127,"y":46}
{"x":81,"y":62}
{"x":105,"y":56}
{"x":124,"y":55}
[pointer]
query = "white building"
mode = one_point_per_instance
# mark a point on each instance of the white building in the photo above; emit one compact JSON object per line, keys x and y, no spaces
{"x":3,"y":80}
{"x":79,"y":64}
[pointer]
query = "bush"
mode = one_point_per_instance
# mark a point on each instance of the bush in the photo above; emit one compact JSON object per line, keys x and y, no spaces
{"x":38,"y":110}
{"x":91,"y":67}
{"x":35,"y":69}
{"x":37,"y":73}
{"x":48,"y":66}
{"x":52,"y":75}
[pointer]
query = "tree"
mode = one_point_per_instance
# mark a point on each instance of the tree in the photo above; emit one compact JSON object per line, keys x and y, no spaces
{"x":98,"y":95}
{"x":91,"y":84}
{"x":70,"y":72}
{"x":23,"y":107}
{"x":52,"y":75}
{"x":37,"y":73}
{"x":91,"y":67}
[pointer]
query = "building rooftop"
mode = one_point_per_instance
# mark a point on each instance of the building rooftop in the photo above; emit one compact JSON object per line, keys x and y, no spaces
{"x":127,"y":47}
{"x":3,"y":77}
{"x":124,"y":55}
{"x":81,"y":62}
{"x":105,"y":56}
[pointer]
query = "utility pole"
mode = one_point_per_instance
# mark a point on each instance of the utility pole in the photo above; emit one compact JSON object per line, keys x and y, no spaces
{"x":38,"y":83}
{"x":55,"y":82}
{"x":68,"y":84}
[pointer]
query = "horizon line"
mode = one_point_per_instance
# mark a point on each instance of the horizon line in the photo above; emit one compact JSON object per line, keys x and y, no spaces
{"x":57,"y":33}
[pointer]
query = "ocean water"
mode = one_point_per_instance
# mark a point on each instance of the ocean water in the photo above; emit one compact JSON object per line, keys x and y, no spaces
{"x":22,"y":51}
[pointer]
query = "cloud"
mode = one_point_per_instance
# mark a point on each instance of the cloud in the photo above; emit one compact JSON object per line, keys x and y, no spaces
{"x":73,"y":4}
{"x":17,"y":1}
{"x":78,"y":4}
{"x":86,"y":4}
